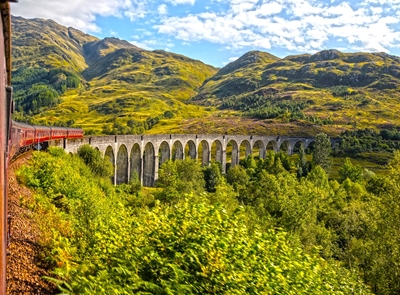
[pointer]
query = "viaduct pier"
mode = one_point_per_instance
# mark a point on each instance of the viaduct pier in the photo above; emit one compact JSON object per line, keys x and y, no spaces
{"x":144,"y":154}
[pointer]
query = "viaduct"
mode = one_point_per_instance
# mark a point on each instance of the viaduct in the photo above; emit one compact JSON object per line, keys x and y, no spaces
{"x":144,"y":154}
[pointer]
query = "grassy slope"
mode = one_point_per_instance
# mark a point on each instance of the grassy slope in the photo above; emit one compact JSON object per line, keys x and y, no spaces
{"x":123,"y":82}
{"x":119,"y":80}
{"x":373,"y":80}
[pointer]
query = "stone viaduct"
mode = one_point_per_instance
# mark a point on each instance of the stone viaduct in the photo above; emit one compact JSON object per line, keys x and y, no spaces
{"x":144,"y":154}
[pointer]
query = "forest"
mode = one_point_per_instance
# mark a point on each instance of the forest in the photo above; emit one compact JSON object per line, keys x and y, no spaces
{"x":279,"y":225}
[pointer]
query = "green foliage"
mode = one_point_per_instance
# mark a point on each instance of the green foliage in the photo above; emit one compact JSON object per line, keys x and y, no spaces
{"x":36,"y":89}
{"x":368,"y":140}
{"x":340,"y":90}
{"x":93,"y":159}
{"x":322,"y":151}
{"x":104,"y":240}
{"x":350,"y":171}
{"x":302,"y":165}
{"x":178,"y":178}
{"x":265,"y":107}
{"x":212,"y":176}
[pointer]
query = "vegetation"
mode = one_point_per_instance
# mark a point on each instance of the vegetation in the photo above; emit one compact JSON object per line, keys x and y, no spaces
{"x":36,"y":89}
{"x":262,"y":228}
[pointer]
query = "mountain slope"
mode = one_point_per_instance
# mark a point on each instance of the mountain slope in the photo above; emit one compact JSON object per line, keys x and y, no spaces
{"x":66,"y":77}
{"x":329,"y":88}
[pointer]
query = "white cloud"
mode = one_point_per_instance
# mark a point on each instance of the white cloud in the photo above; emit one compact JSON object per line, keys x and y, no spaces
{"x":269,"y":9}
{"x":295,"y":25}
{"x":162,"y":9}
{"x":143,"y":45}
{"x":179,"y":2}
{"x":298,"y":25}
{"x":80,"y":15}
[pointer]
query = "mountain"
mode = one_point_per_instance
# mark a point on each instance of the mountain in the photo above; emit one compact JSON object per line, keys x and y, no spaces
{"x":65,"y":77}
{"x":329,"y":88}
{"x":256,"y":70}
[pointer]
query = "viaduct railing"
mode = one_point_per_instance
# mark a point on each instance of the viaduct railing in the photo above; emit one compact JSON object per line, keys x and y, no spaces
{"x":144,"y":154}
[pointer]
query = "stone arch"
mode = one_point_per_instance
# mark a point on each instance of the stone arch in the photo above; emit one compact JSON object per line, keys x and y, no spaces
{"x":244,"y":149}
{"x":136,"y":162}
{"x":164,"y":153}
{"x":148,"y":165}
{"x":309,"y":148}
{"x":109,"y":153}
{"x":217,"y":151}
{"x":232,"y":154}
{"x":285,"y":147}
{"x":204,"y":152}
{"x":272,"y":146}
{"x":296,"y":147}
{"x":122,"y":165}
{"x":259,"y":149}
{"x":177,"y":151}
{"x":190,"y":150}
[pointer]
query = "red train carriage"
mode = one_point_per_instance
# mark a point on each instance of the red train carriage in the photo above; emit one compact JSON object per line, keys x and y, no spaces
{"x":58,"y":133}
{"x":25,"y":135}
{"x":75,"y":133}
{"x":21,"y":135}
{"x":42,"y":134}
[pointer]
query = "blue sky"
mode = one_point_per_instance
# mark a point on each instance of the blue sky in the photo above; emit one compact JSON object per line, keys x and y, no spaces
{"x":219,"y":31}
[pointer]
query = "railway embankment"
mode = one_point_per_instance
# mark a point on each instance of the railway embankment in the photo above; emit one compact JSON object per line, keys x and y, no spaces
{"x":25,"y":268}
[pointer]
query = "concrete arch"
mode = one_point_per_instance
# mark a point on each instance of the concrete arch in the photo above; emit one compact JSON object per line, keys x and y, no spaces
{"x":272,"y":146}
{"x":259,"y":144}
{"x":190,"y":150}
{"x":136,"y":162}
{"x":164,"y":152}
{"x":297,"y":145}
{"x":149,"y":165}
{"x":122,"y":165}
{"x":177,"y":151}
{"x":286,"y":147}
{"x":309,"y":148}
{"x":109,"y":153}
{"x":205,"y":152}
{"x":216,"y":147}
{"x":247,"y":146}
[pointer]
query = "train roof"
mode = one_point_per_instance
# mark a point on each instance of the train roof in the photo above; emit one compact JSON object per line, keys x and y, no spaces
{"x":21,"y":125}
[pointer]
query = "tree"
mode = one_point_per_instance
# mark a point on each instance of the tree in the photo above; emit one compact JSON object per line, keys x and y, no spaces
{"x":93,"y":159}
{"x":301,"y":164}
{"x":322,"y":151}
{"x":350,"y":171}
{"x":212,"y":175}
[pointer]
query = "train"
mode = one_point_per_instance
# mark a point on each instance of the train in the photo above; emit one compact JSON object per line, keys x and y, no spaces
{"x":15,"y":136}
{"x":25,"y":136}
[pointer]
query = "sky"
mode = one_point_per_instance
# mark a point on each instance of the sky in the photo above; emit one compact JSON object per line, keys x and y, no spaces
{"x":219,"y":31}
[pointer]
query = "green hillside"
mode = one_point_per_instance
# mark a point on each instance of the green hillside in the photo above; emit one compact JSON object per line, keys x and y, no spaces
{"x":64,"y":77}
{"x":67,"y":78}
{"x":333,"y":90}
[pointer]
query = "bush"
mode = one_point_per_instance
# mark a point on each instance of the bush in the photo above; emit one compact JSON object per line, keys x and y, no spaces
{"x":93,"y":159}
